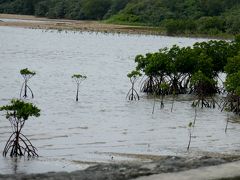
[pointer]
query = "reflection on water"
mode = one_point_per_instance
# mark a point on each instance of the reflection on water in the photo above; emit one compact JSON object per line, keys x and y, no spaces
{"x":102,"y":121}
{"x":38,"y":165}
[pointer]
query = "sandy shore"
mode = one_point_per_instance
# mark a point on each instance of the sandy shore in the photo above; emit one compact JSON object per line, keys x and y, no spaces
{"x":60,"y":24}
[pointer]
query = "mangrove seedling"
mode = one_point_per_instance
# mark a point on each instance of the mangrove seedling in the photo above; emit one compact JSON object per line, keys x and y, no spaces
{"x":26,"y":74}
{"x":190,"y":125}
{"x":17,"y":113}
{"x":78,"y":78}
{"x":195,"y":114}
{"x":163,"y":90}
{"x":132,"y":93}
{"x":226,"y":127}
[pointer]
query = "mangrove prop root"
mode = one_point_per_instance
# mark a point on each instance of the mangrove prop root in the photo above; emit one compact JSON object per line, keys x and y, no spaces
{"x":30,"y":91}
{"x":132,"y":93}
{"x":148,"y":85}
{"x":21,"y":89}
{"x":205,"y":102}
{"x":18,"y":144}
{"x":78,"y":81}
{"x":232,"y":103}
{"x":24,"y":90}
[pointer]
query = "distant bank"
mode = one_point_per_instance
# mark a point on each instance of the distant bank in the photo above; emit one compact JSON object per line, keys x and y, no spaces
{"x":33,"y":22}
{"x":74,"y":25}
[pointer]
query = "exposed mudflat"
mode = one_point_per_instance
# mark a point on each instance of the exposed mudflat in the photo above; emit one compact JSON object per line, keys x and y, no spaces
{"x":124,"y":171}
{"x":75,"y":25}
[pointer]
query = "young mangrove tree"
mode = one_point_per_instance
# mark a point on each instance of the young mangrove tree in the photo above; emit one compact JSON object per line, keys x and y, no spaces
{"x":26,"y":74}
{"x":78,"y":78}
{"x":18,"y":113}
{"x":132,"y":93}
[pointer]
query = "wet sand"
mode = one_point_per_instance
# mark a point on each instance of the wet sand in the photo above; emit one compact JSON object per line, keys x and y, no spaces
{"x":228,"y":171}
{"x":74,"y":25}
{"x":156,"y":165}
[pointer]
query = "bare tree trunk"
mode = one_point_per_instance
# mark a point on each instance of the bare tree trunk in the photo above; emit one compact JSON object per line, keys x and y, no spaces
{"x":154,"y":102}
{"x":25,"y":90}
{"x":195,"y":116}
{"x":227,"y":124}
{"x":173,"y":102}
{"x":189,"y":142}
{"x":77,"y":92}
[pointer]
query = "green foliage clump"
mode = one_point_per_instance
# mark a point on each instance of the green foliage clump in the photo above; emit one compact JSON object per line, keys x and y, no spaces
{"x":218,"y":51}
{"x":232,"y":69}
{"x":203,"y":85}
{"x":79,"y":76}
{"x":182,"y":26}
{"x":174,"y":66}
{"x":233,"y":65}
{"x":95,"y":9}
{"x":20,"y":110}
{"x":190,"y":124}
{"x":73,"y":9}
{"x":164,"y":86}
{"x":233,"y":84}
{"x":150,"y":12}
{"x":27,"y":72}
{"x":134,"y":74}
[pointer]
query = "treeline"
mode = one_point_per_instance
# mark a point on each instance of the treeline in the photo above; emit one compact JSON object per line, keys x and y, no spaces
{"x":194,"y":70}
{"x":70,"y":9}
{"x":184,"y":16}
{"x":177,"y":16}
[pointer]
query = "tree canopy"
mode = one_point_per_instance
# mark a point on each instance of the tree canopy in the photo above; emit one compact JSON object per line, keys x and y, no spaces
{"x":20,"y":109}
{"x":27,"y":72}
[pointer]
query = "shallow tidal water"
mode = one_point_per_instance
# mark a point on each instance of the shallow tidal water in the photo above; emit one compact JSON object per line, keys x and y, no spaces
{"x":103,"y":125}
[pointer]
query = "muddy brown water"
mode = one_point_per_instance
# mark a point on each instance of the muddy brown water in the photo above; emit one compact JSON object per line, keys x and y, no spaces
{"x":103,"y":123}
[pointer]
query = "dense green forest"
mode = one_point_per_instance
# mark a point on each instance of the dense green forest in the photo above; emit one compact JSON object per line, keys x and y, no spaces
{"x":176,"y":16}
